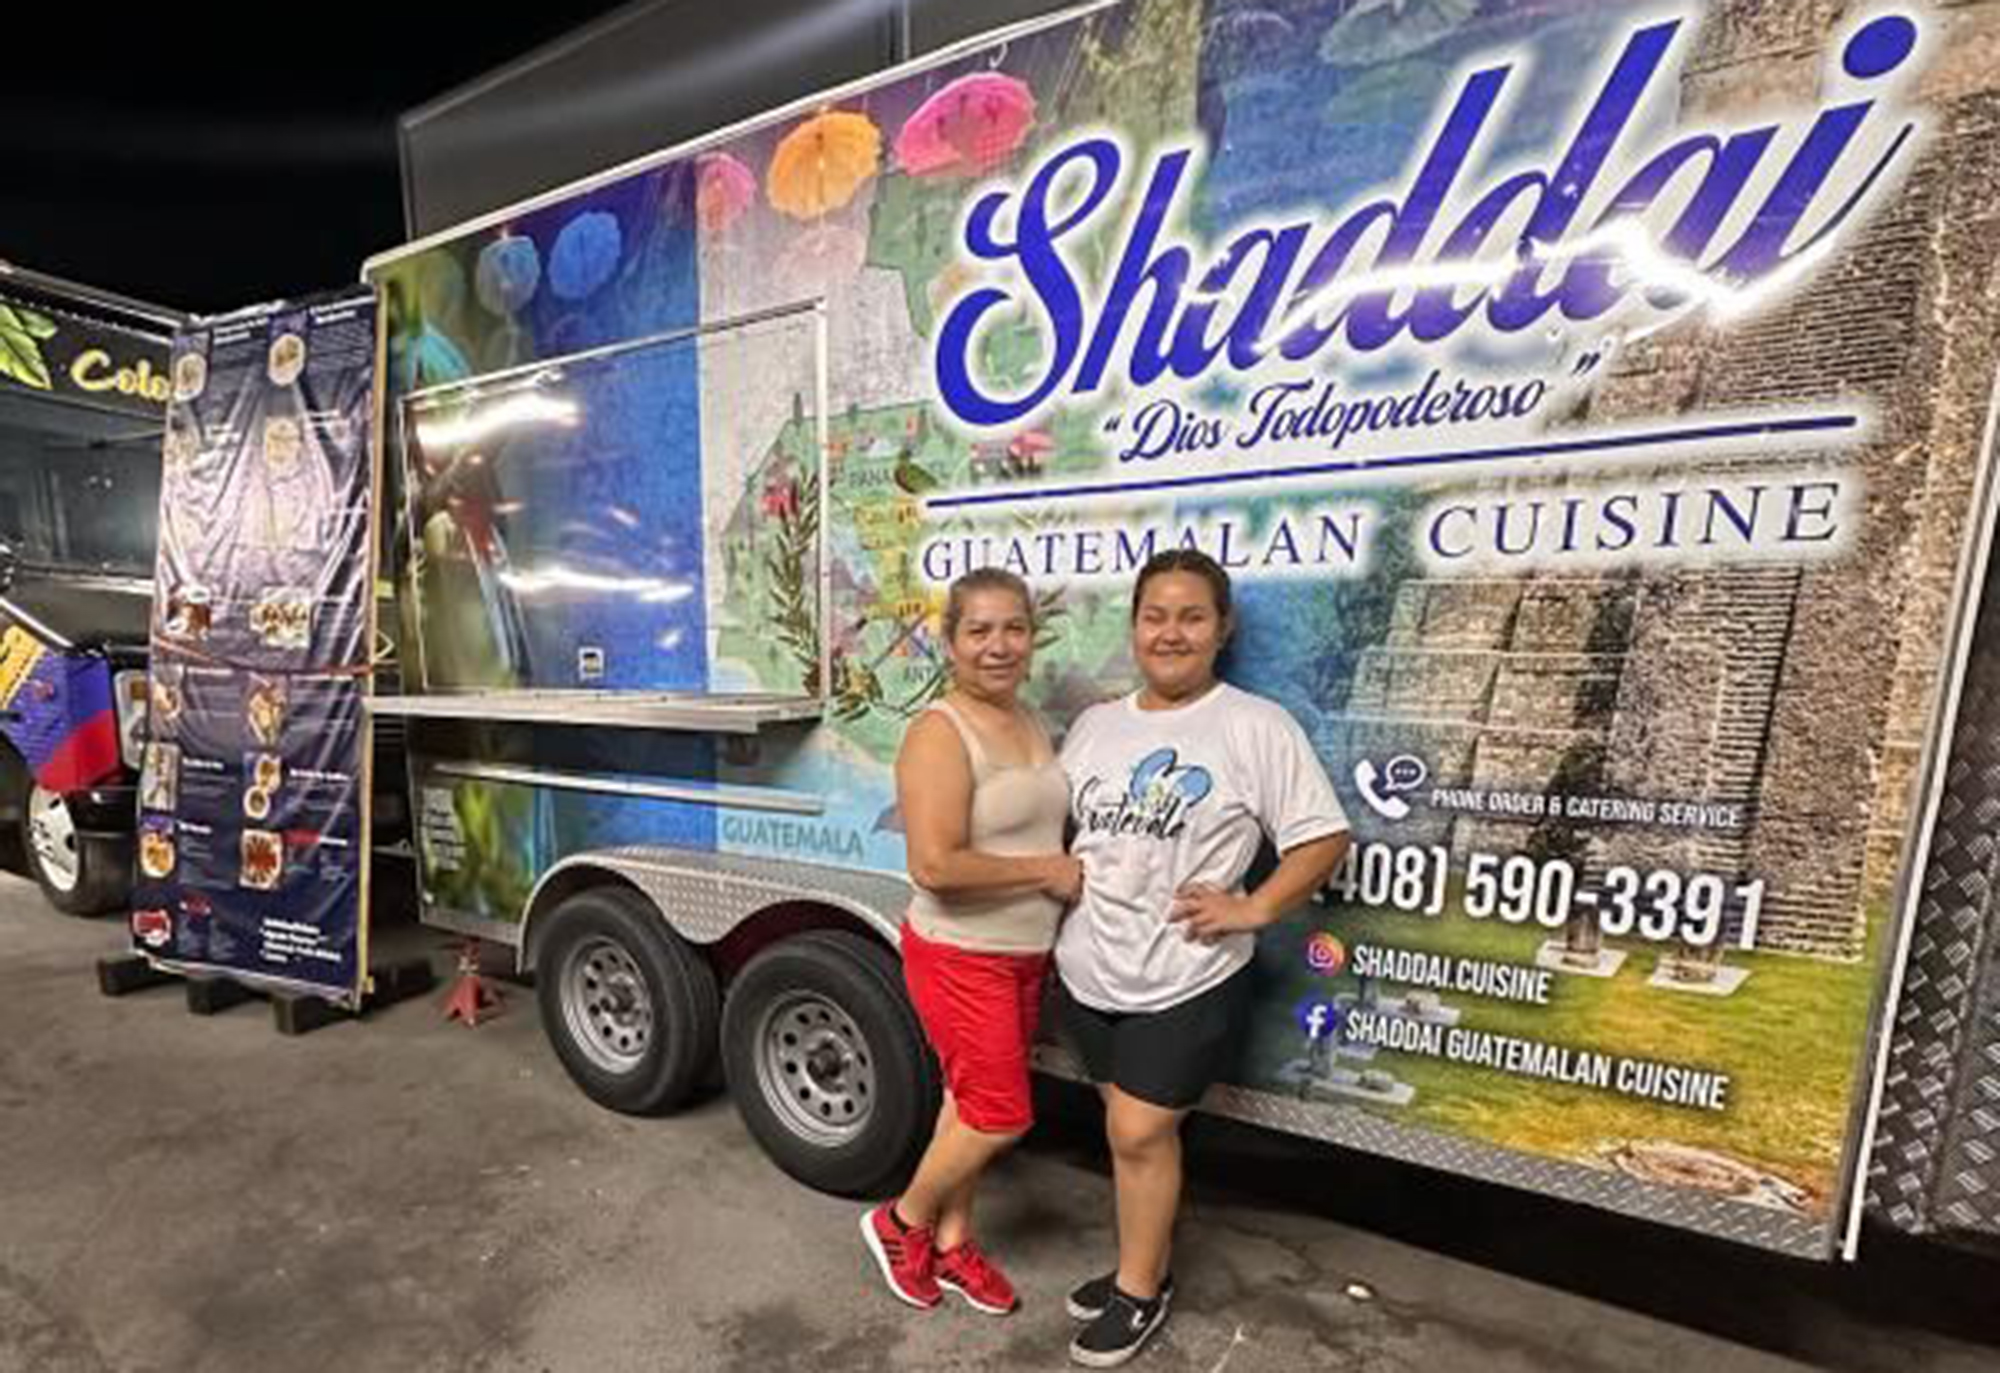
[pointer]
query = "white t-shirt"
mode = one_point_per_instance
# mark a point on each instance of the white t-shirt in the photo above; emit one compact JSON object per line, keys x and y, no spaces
{"x":1166,"y":797}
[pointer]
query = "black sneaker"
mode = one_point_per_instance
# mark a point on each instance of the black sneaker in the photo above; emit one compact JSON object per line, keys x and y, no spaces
{"x":1120,"y":1330}
{"x":1087,"y":1300}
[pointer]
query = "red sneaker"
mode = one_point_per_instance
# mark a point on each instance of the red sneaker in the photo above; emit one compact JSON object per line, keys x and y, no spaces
{"x":967,"y":1271}
{"x":905,"y":1254}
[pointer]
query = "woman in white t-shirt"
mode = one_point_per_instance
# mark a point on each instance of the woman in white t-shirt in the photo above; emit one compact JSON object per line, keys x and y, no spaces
{"x":1173,"y":789}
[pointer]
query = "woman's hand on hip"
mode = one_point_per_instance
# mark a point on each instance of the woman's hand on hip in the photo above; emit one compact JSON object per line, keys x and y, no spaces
{"x":1063,"y":878}
{"x":1207,"y":913}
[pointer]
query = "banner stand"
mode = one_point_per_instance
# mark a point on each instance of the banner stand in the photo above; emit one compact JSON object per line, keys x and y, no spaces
{"x":128,"y":973}
{"x":293,"y":1012}
{"x":254,"y":799}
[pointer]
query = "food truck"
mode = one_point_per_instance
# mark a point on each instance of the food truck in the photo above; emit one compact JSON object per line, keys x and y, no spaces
{"x":1592,"y":403}
{"x":83,"y":392}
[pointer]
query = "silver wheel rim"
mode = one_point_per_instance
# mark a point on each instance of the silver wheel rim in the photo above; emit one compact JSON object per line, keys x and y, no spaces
{"x":607,"y":1005}
{"x":53,"y":834}
{"x":815,"y":1068}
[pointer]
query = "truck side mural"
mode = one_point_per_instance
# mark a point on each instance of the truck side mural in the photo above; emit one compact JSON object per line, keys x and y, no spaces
{"x":1550,"y":375}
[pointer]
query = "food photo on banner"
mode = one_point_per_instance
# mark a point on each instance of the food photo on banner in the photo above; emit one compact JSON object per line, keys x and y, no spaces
{"x":251,"y":845}
{"x":1526,"y":367}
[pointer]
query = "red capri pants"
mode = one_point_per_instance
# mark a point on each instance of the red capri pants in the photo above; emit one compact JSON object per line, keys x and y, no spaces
{"x":980,"y":1011}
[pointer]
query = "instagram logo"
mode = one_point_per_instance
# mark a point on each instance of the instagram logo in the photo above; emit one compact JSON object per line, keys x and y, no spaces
{"x":1326,"y":955}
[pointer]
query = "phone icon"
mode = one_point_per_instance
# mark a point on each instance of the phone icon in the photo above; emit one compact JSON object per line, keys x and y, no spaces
{"x":1404,"y":773}
{"x":1369,"y":783}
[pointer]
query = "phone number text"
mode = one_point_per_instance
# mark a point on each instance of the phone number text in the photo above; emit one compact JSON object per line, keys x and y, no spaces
{"x":1661,"y":905}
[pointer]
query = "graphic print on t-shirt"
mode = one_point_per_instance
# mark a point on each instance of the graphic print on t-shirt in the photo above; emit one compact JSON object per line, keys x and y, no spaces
{"x":1156,"y":801}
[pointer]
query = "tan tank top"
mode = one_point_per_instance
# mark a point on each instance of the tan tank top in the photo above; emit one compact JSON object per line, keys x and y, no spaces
{"x":1016,"y":810}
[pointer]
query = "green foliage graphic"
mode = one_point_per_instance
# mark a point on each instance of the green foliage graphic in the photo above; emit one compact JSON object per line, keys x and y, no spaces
{"x":22,"y":333}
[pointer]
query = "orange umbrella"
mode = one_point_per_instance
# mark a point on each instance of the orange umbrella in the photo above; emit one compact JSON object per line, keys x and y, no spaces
{"x":821,"y":164}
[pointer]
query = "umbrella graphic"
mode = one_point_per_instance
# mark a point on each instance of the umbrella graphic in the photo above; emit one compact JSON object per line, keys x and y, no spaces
{"x":509,"y":273}
{"x":968,"y":128}
{"x":586,"y":255}
{"x":724,"y":189}
{"x":821,"y":164}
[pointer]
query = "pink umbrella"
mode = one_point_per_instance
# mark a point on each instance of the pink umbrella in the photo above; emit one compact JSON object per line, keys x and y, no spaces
{"x":968,"y":128}
{"x":724,"y":189}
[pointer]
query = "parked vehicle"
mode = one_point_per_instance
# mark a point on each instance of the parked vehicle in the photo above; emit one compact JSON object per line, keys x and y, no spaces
{"x":83,"y":389}
{"x":1595,"y":424}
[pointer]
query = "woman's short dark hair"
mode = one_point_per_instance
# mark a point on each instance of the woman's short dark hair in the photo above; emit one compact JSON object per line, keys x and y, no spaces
{"x":983,"y":579}
{"x":1184,"y":560}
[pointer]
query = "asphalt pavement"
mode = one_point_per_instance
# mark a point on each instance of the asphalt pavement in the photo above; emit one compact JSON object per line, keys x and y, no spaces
{"x":182,"y":1192}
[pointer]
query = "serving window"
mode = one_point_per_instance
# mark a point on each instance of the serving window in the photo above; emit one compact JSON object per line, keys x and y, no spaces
{"x":639,"y":522}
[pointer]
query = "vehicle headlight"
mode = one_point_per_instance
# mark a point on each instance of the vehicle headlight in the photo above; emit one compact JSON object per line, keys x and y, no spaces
{"x":131,"y":692}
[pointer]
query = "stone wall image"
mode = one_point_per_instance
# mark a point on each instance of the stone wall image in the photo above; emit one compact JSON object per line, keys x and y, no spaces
{"x":1493,"y":683}
{"x":1802,"y":693}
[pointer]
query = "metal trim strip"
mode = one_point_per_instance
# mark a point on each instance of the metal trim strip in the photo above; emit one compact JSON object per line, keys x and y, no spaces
{"x":411,"y":399}
{"x":727,"y":797}
{"x":634,"y":710}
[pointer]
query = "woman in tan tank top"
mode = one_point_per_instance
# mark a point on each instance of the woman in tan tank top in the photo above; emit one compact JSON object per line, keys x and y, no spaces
{"x":983,"y":801}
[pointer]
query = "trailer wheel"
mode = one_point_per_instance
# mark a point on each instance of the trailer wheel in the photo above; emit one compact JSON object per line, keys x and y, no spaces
{"x":79,"y":874}
{"x":629,"y":1008}
{"x":827,"y":1062}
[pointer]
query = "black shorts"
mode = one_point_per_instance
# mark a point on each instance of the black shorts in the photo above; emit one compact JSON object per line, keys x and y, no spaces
{"x":1166,"y":1058}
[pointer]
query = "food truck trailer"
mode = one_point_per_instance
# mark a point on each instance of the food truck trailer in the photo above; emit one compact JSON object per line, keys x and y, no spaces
{"x":1593,"y":404}
{"x":83,"y":394}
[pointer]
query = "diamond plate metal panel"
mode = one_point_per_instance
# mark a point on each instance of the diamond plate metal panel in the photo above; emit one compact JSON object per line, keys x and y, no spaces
{"x":1936,"y":1160}
{"x":1968,"y":1193}
{"x":704,"y":896}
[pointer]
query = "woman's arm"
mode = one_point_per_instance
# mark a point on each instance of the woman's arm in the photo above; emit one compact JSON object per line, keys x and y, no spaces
{"x":1208,"y":913}
{"x":934,"y":792}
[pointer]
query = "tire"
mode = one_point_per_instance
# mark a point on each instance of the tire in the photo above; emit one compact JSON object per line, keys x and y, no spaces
{"x":827,"y":1063}
{"x":79,"y":874}
{"x":631,"y":1011}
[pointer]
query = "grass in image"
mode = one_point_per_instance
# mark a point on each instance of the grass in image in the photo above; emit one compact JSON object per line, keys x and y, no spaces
{"x":1789,"y":1039}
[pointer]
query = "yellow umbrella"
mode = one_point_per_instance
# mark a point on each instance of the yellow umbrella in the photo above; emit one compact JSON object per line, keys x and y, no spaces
{"x":821,"y":164}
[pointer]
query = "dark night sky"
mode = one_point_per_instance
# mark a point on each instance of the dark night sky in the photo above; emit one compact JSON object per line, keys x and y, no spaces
{"x":207,"y":165}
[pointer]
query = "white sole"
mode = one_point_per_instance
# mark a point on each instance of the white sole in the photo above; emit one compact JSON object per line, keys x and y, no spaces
{"x":1084,"y":1313}
{"x":874,"y":1242}
{"x":975,"y":1303}
{"x":1088,"y":1360}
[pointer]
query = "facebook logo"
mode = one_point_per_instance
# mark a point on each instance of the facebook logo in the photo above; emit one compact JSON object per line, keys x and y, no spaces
{"x":1318,"y":1017}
